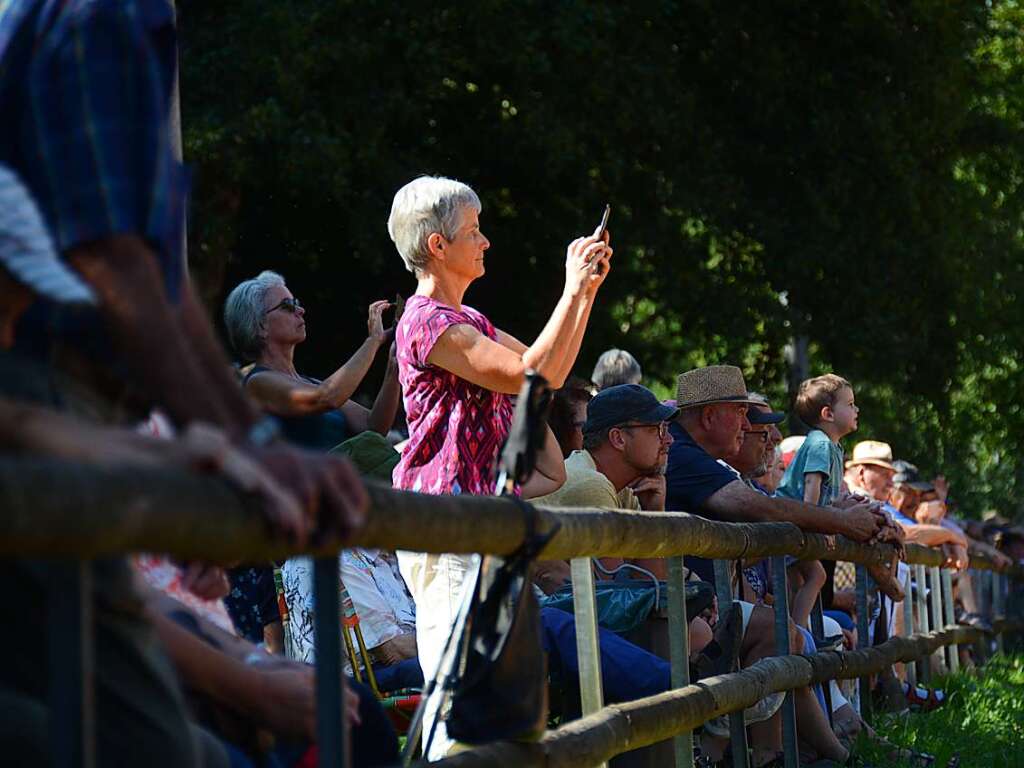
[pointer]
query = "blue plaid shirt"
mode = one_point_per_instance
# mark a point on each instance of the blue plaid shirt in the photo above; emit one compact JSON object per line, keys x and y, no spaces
{"x":85,"y":89}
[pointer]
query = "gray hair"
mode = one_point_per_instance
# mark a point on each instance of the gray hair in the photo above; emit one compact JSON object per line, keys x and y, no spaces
{"x":422,"y":207}
{"x":245,"y":314}
{"x":616,"y":366}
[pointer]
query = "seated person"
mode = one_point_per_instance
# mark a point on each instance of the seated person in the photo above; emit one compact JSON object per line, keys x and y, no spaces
{"x":713,"y":404}
{"x":568,"y":412}
{"x":387,"y":614}
{"x":265,"y":323}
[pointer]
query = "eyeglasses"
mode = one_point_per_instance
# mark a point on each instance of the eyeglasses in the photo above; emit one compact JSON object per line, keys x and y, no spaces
{"x":762,"y":436}
{"x":662,"y":427}
{"x":290,"y":305}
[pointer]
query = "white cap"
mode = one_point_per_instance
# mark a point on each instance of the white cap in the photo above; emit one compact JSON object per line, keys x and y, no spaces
{"x":26,"y":250}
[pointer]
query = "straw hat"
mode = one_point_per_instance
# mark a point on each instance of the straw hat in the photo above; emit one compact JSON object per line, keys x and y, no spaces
{"x":872,"y":452}
{"x":713,"y":384}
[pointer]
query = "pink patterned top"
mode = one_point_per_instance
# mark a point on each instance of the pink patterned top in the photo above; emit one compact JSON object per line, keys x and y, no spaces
{"x":456,"y":428}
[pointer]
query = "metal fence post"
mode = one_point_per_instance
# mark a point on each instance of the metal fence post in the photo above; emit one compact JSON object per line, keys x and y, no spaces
{"x":908,"y":625}
{"x":922,"y":618}
{"x":998,"y":607}
{"x":70,"y":639}
{"x":935,"y":596}
{"x":780,"y":591}
{"x":952,"y":651}
{"x":737,"y":725}
{"x":818,"y":628}
{"x":331,"y":729}
{"x":588,"y":650}
{"x":864,"y":683}
{"x":679,"y":650}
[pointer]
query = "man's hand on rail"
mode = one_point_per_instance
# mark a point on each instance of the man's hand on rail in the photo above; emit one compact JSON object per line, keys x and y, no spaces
{"x":209,"y":449}
{"x":332,"y":496}
{"x":884,"y":575}
{"x":861,"y":521}
{"x":956,"y":556}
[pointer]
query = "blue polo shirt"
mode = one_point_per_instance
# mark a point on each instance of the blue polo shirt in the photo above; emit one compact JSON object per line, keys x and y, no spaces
{"x":693,"y":476}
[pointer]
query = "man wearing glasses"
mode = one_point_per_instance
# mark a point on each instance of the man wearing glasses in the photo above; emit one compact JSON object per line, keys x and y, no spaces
{"x":622,"y":463}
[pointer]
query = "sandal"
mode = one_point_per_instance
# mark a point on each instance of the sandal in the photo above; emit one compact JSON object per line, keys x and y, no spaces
{"x":922,"y":699}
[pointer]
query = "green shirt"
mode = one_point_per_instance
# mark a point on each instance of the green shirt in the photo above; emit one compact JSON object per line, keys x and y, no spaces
{"x":817,"y":454}
{"x":585,"y":486}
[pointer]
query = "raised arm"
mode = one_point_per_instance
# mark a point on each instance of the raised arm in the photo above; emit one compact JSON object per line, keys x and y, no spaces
{"x":501,"y":365}
{"x":283,"y":395}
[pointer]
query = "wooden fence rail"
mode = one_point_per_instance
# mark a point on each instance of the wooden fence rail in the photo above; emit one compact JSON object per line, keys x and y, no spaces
{"x":57,"y":509}
{"x":103,"y":511}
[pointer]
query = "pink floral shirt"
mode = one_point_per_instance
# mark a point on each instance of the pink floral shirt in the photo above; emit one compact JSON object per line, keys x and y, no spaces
{"x":456,"y":428}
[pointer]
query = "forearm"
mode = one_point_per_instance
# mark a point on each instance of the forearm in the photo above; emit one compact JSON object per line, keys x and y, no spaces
{"x":214,"y":361}
{"x":931,"y":535}
{"x":807,"y":517}
{"x":553,"y":353}
{"x":337,"y":388}
{"x":737,"y":503}
{"x":238,"y":648}
{"x":208,"y":671}
{"x":35,"y":430}
{"x":385,"y":406}
{"x":146,"y":330}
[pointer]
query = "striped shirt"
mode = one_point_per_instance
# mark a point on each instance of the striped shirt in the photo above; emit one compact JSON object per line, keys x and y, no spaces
{"x":85,"y":89}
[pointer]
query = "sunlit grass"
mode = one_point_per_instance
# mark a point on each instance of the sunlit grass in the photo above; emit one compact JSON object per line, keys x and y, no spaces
{"x":982,"y":722}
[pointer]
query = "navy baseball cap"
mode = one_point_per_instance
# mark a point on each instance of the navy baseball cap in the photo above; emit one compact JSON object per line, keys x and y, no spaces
{"x":756,"y":416}
{"x":625,"y":403}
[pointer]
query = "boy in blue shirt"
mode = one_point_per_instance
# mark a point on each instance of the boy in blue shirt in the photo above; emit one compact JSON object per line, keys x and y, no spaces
{"x":815,"y":476}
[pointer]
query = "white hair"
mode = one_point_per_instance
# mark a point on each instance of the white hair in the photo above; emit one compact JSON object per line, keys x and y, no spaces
{"x":422,"y":207}
{"x":616,"y":366}
{"x":245,"y":314}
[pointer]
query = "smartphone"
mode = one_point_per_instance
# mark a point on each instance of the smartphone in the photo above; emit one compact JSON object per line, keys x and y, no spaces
{"x":597,"y":267}
{"x":604,"y":220}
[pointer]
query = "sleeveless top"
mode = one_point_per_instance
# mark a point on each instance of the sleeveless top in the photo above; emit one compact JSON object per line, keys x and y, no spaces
{"x":317,"y":431}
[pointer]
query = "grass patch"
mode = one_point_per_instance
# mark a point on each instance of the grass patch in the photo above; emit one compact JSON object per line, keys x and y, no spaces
{"x":982,"y":722}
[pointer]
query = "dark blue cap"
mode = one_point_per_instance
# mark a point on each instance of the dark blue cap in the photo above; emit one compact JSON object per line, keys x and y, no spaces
{"x":623,"y":404}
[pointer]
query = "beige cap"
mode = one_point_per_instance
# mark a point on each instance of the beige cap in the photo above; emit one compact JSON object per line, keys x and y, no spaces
{"x":872,"y":452}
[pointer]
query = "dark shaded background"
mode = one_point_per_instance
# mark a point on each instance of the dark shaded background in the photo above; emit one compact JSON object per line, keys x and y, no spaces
{"x":847,"y":171}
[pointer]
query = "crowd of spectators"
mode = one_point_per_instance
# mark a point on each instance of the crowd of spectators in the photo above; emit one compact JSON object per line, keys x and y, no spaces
{"x":110,"y":361}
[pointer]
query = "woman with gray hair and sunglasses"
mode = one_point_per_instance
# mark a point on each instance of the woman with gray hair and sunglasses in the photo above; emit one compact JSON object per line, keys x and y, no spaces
{"x":265,"y":323}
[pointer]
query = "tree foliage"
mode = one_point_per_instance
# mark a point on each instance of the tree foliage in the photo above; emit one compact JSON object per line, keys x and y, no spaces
{"x":849,"y":172}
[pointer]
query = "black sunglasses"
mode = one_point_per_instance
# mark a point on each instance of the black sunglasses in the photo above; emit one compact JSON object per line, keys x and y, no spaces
{"x":291,"y":305}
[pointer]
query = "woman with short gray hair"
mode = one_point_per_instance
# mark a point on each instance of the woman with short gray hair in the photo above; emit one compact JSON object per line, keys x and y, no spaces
{"x":457,"y":373}
{"x":265,"y":323}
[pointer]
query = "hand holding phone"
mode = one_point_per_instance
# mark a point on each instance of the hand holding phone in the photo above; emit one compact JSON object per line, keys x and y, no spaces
{"x":597,"y":267}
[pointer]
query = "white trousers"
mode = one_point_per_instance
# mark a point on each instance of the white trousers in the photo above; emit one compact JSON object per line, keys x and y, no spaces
{"x":436,"y":583}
